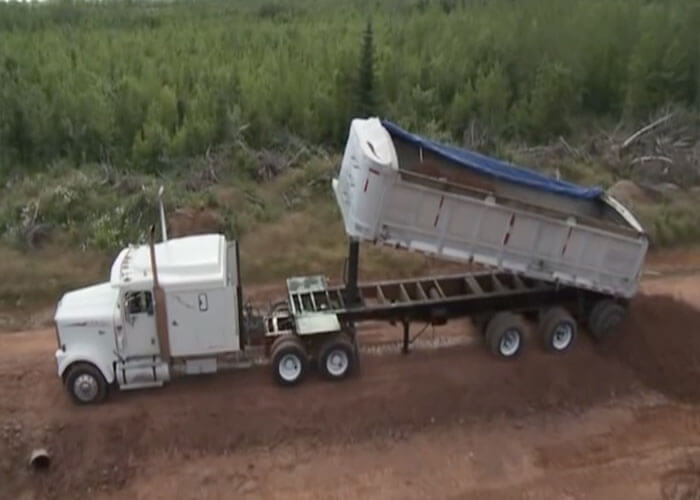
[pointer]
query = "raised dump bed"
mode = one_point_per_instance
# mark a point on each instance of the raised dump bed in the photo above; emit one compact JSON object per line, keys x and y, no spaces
{"x":402,"y":190}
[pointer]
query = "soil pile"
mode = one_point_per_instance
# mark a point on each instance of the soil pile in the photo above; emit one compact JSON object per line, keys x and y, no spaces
{"x":661,"y":341}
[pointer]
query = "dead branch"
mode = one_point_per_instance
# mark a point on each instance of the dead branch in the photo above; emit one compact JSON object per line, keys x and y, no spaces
{"x":647,"y":128}
{"x":574,"y":152}
{"x":568,"y":148}
{"x":36,"y":212}
{"x":295,"y":158}
{"x":255,"y":200}
{"x":644,"y":159}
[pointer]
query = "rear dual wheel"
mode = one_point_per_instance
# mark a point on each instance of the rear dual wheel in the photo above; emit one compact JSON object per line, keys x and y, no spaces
{"x":505,"y":333}
{"x":557,"y":329}
{"x":336,"y":358}
{"x":290,"y":360}
{"x":605,"y":317}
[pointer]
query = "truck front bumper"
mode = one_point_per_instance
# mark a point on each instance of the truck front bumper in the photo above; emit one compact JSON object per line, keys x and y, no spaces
{"x":60,"y":356}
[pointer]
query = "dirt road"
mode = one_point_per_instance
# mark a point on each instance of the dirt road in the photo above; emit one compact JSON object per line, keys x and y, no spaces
{"x":622,"y":420}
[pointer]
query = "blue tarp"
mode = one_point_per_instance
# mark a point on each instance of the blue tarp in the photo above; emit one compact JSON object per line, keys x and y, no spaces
{"x":495,"y":168}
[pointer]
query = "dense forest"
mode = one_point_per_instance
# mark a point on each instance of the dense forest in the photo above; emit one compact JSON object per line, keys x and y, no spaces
{"x":241,"y":107}
{"x":142,"y":85}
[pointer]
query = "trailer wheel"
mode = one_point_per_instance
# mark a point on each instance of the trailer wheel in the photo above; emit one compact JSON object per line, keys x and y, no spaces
{"x":289,"y":360}
{"x":604,"y":318}
{"x":504,"y":334}
{"x":336,"y":357}
{"x":557,"y":329}
{"x":85,"y":384}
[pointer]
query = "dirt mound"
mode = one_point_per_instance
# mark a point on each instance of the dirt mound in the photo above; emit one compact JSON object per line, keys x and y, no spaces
{"x":629,"y":193}
{"x":660,"y":341}
{"x":188,"y":221}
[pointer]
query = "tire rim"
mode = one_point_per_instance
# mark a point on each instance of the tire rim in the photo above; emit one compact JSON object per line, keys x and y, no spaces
{"x":289,"y":367}
{"x":510,"y":342}
{"x":85,"y":387}
{"x":337,"y":362}
{"x":562,"y":336}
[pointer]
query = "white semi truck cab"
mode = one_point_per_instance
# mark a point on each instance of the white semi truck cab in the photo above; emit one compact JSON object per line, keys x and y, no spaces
{"x":112,"y":328}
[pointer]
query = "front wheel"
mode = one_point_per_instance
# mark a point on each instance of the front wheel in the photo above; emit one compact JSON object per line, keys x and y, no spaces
{"x":289,"y":360}
{"x":85,"y":384}
{"x":336,"y":357}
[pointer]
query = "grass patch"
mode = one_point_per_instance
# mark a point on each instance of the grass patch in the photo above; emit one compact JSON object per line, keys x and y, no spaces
{"x":34,"y":281}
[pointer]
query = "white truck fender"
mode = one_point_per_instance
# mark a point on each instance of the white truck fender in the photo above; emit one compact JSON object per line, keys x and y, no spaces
{"x":105,"y":365}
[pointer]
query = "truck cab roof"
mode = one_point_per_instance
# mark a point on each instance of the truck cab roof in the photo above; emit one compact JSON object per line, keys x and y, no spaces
{"x":182,"y":263}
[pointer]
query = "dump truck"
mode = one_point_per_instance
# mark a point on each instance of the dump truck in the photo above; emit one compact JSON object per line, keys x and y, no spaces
{"x":533,"y":248}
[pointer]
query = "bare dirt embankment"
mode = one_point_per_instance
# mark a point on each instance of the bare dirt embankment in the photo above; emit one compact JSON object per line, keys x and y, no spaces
{"x":661,"y":342}
{"x":603,"y":422}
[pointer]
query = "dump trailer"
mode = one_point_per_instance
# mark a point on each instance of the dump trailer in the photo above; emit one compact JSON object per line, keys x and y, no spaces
{"x":549,"y":252}
{"x":401,"y":190}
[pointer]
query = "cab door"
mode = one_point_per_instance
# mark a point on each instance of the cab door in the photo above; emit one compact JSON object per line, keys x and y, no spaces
{"x":140,"y":336}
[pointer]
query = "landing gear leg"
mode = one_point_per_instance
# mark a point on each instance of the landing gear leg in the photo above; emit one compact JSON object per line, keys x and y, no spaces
{"x":351,"y":270}
{"x":406,"y":338}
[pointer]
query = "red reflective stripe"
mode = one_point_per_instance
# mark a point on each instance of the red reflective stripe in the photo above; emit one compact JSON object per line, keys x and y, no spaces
{"x":510,"y":226}
{"x":366,"y":184}
{"x":437,"y":216}
{"x":374,"y":171}
{"x":568,"y":236}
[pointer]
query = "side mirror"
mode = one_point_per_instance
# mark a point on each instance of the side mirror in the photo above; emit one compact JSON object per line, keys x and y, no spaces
{"x":128,"y":318}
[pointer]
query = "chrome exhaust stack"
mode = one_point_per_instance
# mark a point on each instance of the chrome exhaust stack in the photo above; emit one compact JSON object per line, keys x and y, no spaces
{"x":159,"y":302}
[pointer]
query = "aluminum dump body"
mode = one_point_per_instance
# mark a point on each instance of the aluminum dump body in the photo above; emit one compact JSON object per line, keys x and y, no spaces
{"x":401,"y":190}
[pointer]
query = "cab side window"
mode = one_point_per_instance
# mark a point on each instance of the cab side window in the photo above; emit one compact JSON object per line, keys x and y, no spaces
{"x":139,"y":302}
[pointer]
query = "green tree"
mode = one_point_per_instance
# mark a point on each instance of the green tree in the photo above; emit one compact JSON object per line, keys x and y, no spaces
{"x":551,"y":102}
{"x":492,"y":96}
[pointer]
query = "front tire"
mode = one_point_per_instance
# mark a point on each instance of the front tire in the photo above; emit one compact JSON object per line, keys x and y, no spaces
{"x":336,"y":358}
{"x":85,"y":384}
{"x":289,"y":360}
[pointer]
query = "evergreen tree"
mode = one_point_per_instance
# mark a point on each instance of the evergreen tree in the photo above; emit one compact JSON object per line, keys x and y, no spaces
{"x":366,"y":104}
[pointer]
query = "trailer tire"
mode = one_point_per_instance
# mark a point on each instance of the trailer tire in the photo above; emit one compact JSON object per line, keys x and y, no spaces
{"x":606,"y":315}
{"x":85,"y":384}
{"x":557,"y":329}
{"x":505,"y":334}
{"x":290,"y":361}
{"x":336,"y":358}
